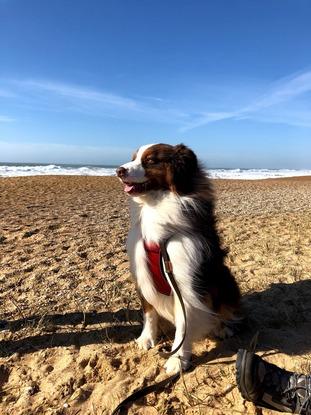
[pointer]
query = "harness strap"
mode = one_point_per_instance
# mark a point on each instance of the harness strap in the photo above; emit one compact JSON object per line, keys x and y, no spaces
{"x":156,"y":268}
{"x":123,"y":406}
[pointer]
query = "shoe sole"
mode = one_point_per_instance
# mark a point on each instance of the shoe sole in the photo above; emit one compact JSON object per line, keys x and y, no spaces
{"x":244,"y":378}
{"x":243,"y":371}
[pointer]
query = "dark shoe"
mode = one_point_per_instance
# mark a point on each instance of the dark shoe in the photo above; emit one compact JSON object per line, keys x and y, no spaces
{"x":268,"y":386}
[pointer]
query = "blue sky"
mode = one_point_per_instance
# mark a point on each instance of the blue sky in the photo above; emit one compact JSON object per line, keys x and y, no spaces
{"x":89,"y":81}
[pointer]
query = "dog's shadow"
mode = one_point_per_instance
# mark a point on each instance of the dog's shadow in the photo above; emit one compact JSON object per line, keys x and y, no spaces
{"x":281,"y":315}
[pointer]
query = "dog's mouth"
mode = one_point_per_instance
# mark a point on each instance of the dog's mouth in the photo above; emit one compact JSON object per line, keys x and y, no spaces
{"x":136,"y":188}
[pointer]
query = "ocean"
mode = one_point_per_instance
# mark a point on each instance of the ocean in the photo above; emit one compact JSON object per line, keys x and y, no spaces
{"x":19,"y":169}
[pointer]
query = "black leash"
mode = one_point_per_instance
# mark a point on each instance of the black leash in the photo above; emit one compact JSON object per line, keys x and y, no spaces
{"x":122,"y":408}
{"x":169,"y":272}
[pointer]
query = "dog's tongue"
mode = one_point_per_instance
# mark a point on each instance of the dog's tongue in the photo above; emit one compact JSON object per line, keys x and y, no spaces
{"x":128,"y":188}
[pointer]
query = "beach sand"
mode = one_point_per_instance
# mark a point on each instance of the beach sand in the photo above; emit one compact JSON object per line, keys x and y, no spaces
{"x":69,"y":313}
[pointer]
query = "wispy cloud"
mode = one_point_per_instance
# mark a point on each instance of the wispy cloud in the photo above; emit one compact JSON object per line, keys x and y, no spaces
{"x":57,"y":96}
{"x":4,"y":93}
{"x":279,"y":99}
{"x":4,"y":118}
{"x":78,"y":93}
{"x":286,"y":101}
{"x":207,"y":118}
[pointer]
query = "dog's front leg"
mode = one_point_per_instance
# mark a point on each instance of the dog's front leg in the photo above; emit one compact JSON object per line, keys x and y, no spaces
{"x":148,"y":337}
{"x":181,"y":359}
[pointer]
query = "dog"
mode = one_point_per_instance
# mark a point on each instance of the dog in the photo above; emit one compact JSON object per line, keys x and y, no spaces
{"x":172,"y":201}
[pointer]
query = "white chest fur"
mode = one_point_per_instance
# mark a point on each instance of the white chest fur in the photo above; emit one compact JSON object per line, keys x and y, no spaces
{"x":147,"y":225}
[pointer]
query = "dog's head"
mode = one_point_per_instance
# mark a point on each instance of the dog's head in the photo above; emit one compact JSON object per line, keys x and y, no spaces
{"x":159,"y":167}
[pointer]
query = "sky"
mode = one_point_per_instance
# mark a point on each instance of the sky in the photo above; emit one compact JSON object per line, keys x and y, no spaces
{"x":90,"y":81}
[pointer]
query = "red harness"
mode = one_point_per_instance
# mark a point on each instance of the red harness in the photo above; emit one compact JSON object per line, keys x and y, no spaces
{"x":154,"y":256}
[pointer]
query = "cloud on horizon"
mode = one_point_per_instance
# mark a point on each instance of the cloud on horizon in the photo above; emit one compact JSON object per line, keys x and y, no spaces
{"x":28,"y":152}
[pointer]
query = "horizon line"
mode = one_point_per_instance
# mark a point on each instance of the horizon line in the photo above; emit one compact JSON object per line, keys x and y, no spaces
{"x":5,"y":163}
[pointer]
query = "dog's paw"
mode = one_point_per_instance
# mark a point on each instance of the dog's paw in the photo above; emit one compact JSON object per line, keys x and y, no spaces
{"x":145,"y":341}
{"x":175,"y":363}
{"x":223,"y":333}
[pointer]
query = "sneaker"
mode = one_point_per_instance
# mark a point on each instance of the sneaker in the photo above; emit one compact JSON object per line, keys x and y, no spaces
{"x":268,"y":386}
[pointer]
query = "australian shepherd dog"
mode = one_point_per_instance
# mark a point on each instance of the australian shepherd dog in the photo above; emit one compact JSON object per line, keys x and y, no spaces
{"x":172,"y":201}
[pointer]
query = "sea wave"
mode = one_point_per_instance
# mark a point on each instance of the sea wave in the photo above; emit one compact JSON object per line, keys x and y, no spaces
{"x":256,"y":174}
{"x":10,"y":170}
{"x":53,"y":169}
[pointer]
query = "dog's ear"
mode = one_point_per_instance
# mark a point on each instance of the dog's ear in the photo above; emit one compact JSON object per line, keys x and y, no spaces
{"x":183,"y":166}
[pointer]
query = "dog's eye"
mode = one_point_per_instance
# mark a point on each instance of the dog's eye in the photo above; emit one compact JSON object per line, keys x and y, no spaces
{"x":151,"y":161}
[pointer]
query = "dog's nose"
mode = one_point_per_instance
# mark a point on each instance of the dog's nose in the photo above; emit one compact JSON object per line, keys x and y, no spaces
{"x":121,"y":172}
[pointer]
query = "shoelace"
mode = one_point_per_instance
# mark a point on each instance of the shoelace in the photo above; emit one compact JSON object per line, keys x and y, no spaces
{"x":303,"y":405}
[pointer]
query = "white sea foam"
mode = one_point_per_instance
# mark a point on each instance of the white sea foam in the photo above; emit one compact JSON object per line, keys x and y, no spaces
{"x":53,"y":169}
{"x":255,"y":174}
{"x":18,"y":170}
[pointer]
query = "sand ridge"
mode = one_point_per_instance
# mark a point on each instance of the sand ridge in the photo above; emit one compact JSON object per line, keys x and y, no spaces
{"x":69,"y":313}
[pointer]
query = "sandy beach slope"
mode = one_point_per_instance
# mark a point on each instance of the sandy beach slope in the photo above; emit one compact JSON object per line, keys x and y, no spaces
{"x":69,"y":313}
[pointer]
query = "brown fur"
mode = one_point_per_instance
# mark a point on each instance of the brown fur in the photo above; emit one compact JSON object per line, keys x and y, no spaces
{"x":176,"y":168}
{"x":170,"y":167}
